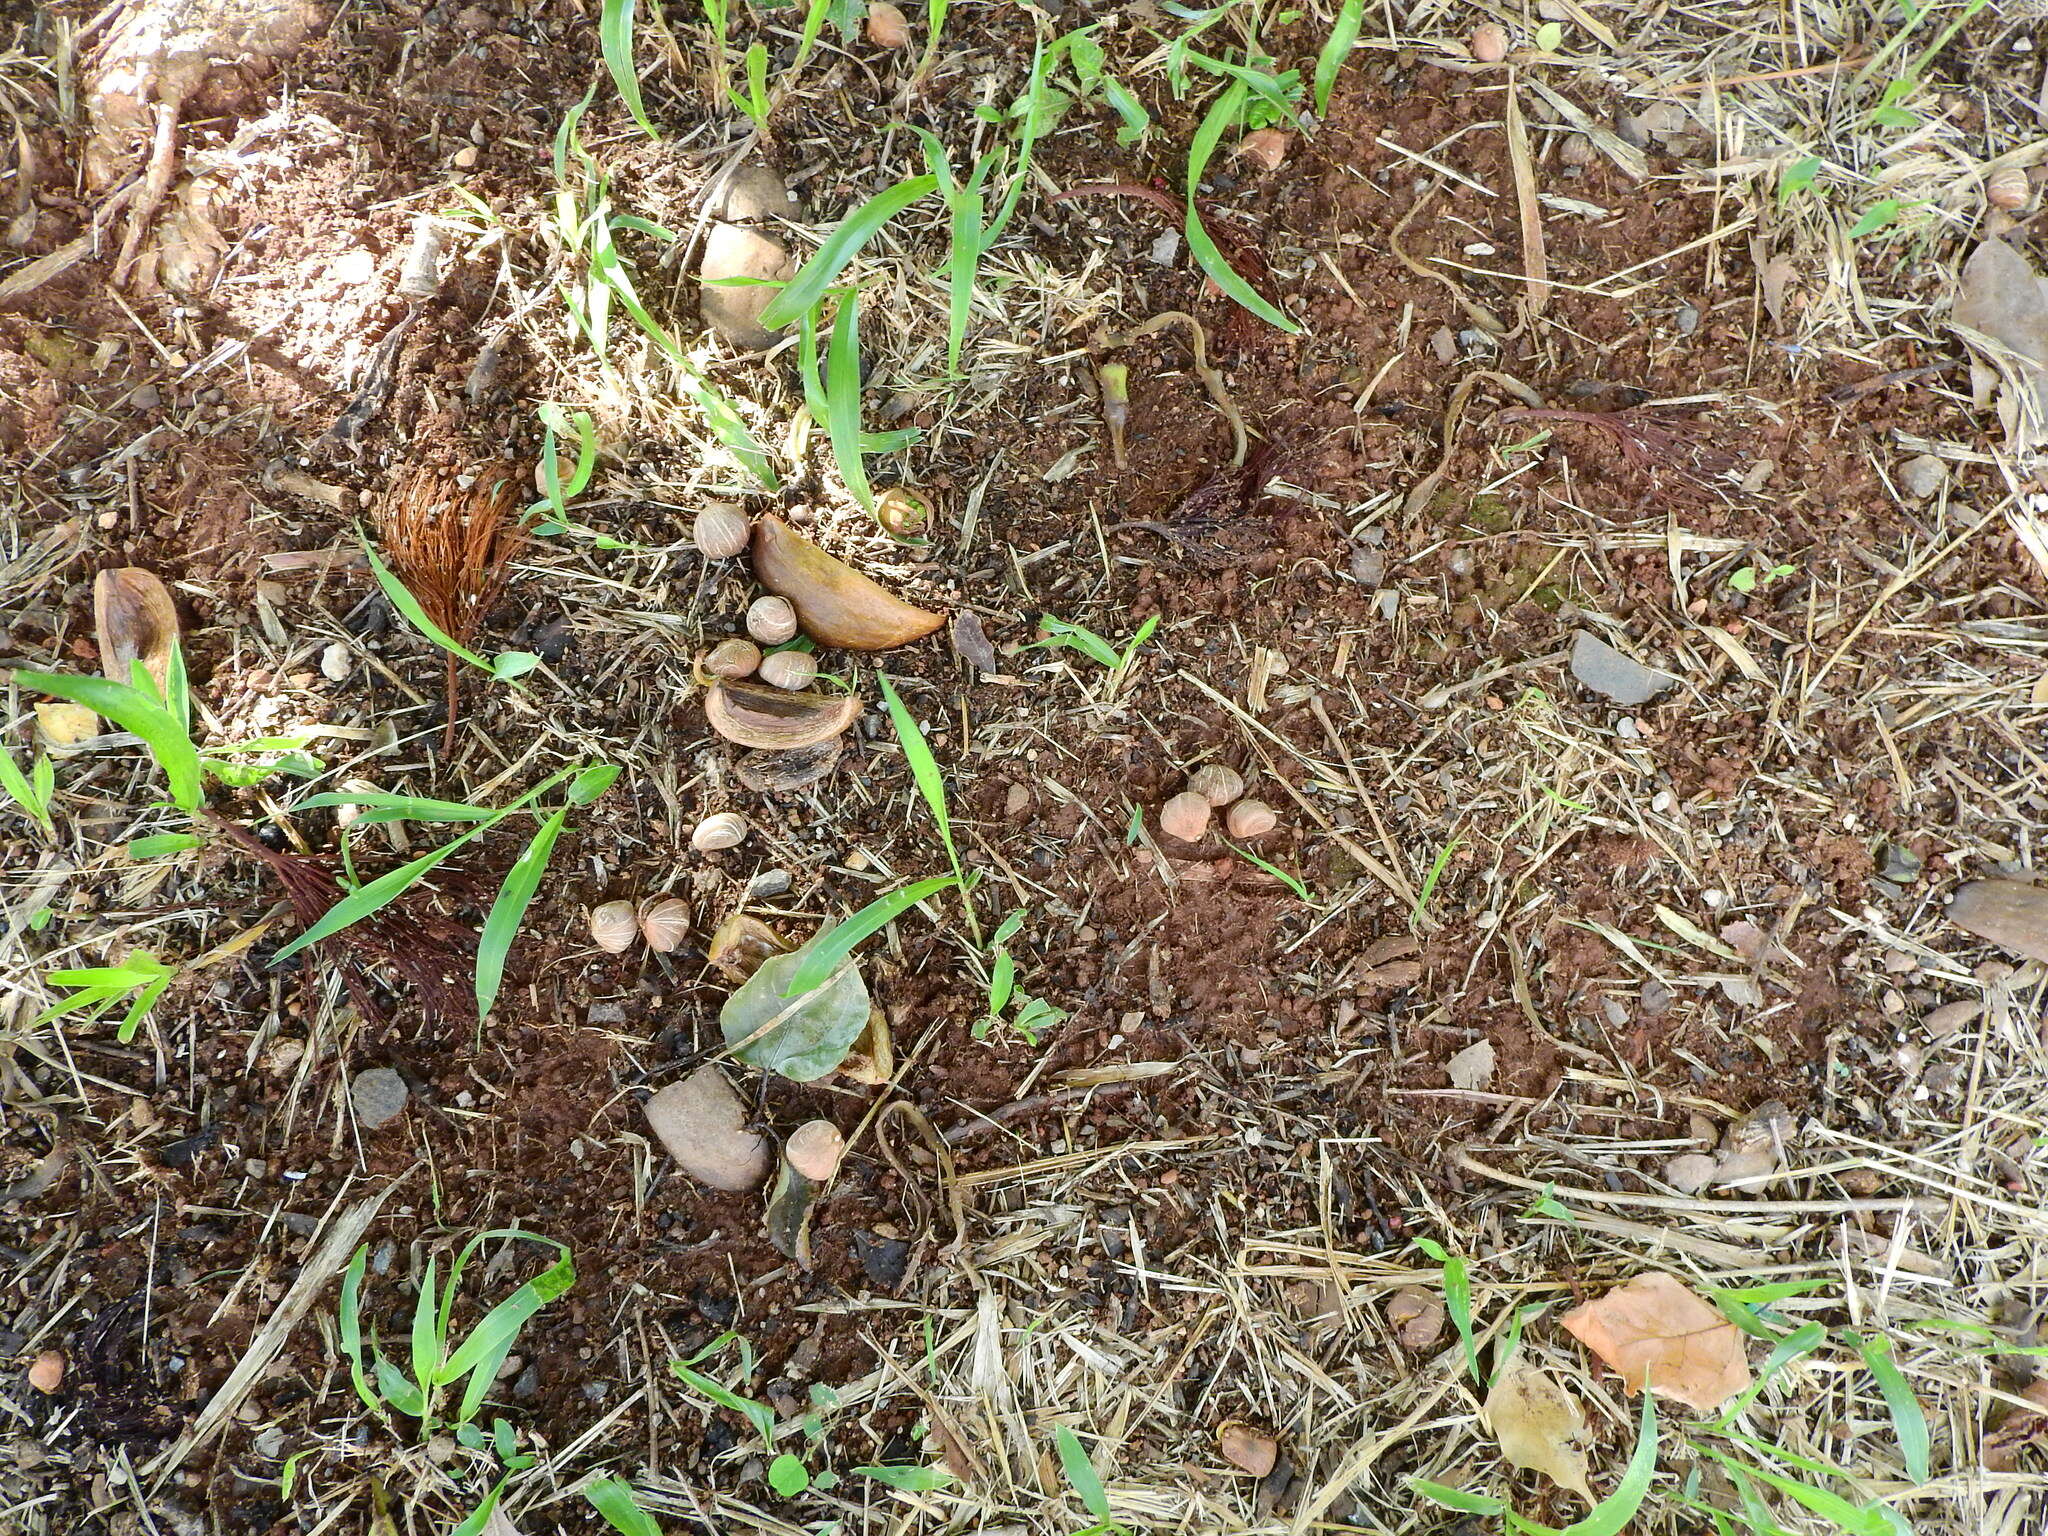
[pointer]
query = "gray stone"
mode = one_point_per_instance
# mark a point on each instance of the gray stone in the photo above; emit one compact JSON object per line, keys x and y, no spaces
{"x":1609,"y":673}
{"x":379,"y":1096}
{"x":733,"y":250}
{"x":753,"y":192}
{"x":702,"y":1123}
{"x":1922,"y":476}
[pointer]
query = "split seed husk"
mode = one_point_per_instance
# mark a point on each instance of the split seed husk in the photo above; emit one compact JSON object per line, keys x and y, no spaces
{"x":1217,"y":783}
{"x":720,"y":531}
{"x":136,"y":621}
{"x":790,"y":669}
{"x":771,"y":620}
{"x":774,"y":719}
{"x":724,"y":830}
{"x":1185,"y":816}
{"x":664,"y":924}
{"x":614,"y":926}
{"x":733,"y":659}
{"x":834,"y":603}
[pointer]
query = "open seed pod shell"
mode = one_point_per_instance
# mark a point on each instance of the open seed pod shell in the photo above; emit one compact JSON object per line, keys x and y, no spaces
{"x":664,"y":923}
{"x":136,"y":621}
{"x":774,"y":719}
{"x":781,"y":773}
{"x":741,"y":944}
{"x":834,"y":603}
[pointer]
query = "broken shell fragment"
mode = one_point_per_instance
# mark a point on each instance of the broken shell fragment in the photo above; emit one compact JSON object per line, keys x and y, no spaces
{"x":777,"y":773}
{"x":1265,"y":147}
{"x":614,"y":926}
{"x":834,"y":603}
{"x":725,"y":830}
{"x":809,"y":1160}
{"x":664,"y":924}
{"x":740,"y":944}
{"x":1249,"y":819}
{"x":1216,"y":783}
{"x":790,"y":669}
{"x":733,"y":659}
{"x":815,"y":1149}
{"x":136,"y":621}
{"x":771,"y":620}
{"x":775,"y":719}
{"x":720,"y":531}
{"x":1185,"y":816}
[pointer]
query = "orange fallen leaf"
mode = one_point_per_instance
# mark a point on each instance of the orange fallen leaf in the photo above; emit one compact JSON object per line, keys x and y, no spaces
{"x":1657,"y":1334}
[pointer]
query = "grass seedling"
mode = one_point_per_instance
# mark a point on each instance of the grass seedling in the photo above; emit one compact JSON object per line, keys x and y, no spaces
{"x":1609,"y":1517}
{"x":1292,"y":882}
{"x":1227,"y":110}
{"x":718,"y":13}
{"x":1457,"y":1283}
{"x":804,"y":292}
{"x":1054,"y":633}
{"x":1082,"y":1477}
{"x":1336,"y":50}
{"x":139,"y":976}
{"x":834,"y":398}
{"x":434,"y":1367}
{"x":516,"y":893}
{"x":1437,"y":867}
{"x":931,"y":785}
{"x":614,"y":1498}
{"x":32,"y":791}
{"x":1034,"y":1015}
{"x":615,"y":41}
{"x":505,"y":666}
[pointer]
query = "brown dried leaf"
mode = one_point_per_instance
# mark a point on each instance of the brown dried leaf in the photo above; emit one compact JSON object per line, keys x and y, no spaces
{"x":1472,"y":1068}
{"x":2004,"y":301}
{"x":2020,"y":1428}
{"x":1656,"y":1333}
{"x":1538,"y":1426}
{"x":136,"y":621}
{"x":1251,"y":1449}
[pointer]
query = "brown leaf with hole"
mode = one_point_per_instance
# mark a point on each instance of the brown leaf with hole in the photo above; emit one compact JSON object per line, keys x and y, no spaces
{"x":1657,"y":1334}
{"x":835,"y":603}
{"x":136,"y":621}
{"x":1250,"y":1449}
{"x":1538,"y":1426}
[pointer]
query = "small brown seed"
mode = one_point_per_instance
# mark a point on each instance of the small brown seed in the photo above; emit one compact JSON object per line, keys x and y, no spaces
{"x":720,"y":531}
{"x":664,"y":923}
{"x":1266,"y":148}
{"x":1216,"y":783}
{"x":1250,"y":818}
{"x":46,"y":1373}
{"x":771,"y":620}
{"x":790,"y":669}
{"x":613,"y":927}
{"x":734,"y":658}
{"x":887,"y":26}
{"x":814,"y":1150}
{"x":1489,"y":43}
{"x":725,"y":830}
{"x":1185,"y":816}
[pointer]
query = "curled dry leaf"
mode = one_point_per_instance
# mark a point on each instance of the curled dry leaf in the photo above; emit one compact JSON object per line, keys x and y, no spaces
{"x":741,"y":944}
{"x":1538,"y":1425}
{"x":776,"y":719}
{"x":809,"y":1160}
{"x":834,"y":603}
{"x":1416,"y":1316}
{"x":1656,"y":1333}
{"x":136,"y":621}
{"x":1247,"y":1448}
{"x":971,"y":643}
{"x":873,"y":1058}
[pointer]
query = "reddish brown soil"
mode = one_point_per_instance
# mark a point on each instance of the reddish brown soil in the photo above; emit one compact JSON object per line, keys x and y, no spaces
{"x":199,"y":1170}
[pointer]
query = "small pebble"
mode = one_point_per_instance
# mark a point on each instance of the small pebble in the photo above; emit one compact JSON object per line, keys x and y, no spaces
{"x":1690,"y":1172}
{"x":379,"y":1095}
{"x":46,"y":1374}
{"x":1922,"y":476}
{"x":334,"y":663}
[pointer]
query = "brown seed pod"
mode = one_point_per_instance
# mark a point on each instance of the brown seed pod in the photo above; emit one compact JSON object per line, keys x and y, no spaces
{"x":814,"y":1150}
{"x":720,"y":531}
{"x":771,"y":620}
{"x":790,"y":669}
{"x":613,"y":927}
{"x":774,"y":719}
{"x":1217,"y":783}
{"x":887,"y":26}
{"x":835,"y":604}
{"x":136,"y":621}
{"x":664,"y":923}
{"x":1266,"y":148}
{"x":1249,"y":819}
{"x":1185,"y":816}
{"x":734,"y":658}
{"x":725,"y":830}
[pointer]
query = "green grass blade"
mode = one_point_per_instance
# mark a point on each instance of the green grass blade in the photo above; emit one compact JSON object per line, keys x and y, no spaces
{"x":349,"y":1317}
{"x":144,"y":1001}
{"x":612,"y":1497}
{"x":379,"y":893}
{"x":760,"y":1415}
{"x":24,"y":794}
{"x":1852,"y":1519}
{"x":1293,"y":882}
{"x":1612,"y":1514}
{"x":963,"y":260}
{"x":139,"y":713}
{"x":1080,"y":1472}
{"x":426,"y":1336}
{"x":1330,"y":62}
{"x":924,"y":768}
{"x":491,"y":1340}
{"x":615,"y":37}
{"x":1909,"y":1422}
{"x":1226,"y":110}
{"x":409,"y":607}
{"x":841,"y":246}
{"x":1027,"y":142}
{"x":1002,"y":981}
{"x":401,"y":807}
{"x":823,"y":954}
{"x":514,"y":897}
{"x":1801,"y":1341}
{"x":842,"y":401}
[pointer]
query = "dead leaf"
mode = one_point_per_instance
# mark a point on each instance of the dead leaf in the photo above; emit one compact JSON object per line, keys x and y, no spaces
{"x":1251,"y":1449}
{"x":971,"y":643}
{"x":66,"y":725}
{"x":1416,"y":1315}
{"x":1538,"y":1426}
{"x":1775,"y":277}
{"x":136,"y":621}
{"x":2004,"y":302}
{"x":2020,"y":1428}
{"x":1472,"y":1068}
{"x":1656,"y":1333}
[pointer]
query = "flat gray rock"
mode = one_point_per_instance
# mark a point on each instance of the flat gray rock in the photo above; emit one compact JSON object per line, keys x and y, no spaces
{"x":2009,"y":913}
{"x":702,"y":1123}
{"x":735,"y":250}
{"x":1613,"y":675}
{"x":379,"y":1096}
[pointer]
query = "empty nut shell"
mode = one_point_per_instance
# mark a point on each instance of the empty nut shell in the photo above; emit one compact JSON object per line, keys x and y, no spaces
{"x":725,"y":830}
{"x":1185,"y":816}
{"x":613,"y":927}
{"x":814,"y":1150}
{"x":1216,"y":783}
{"x":733,"y":658}
{"x":888,"y":27}
{"x":775,"y":719}
{"x":2006,"y":187}
{"x":720,"y":531}
{"x":664,"y":923}
{"x":790,"y":669}
{"x":771,"y":620}
{"x":1250,"y":818}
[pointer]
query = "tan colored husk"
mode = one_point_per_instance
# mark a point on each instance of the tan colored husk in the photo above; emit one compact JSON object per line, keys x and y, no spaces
{"x":834,"y":603}
{"x":136,"y":620}
{"x":774,"y":719}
